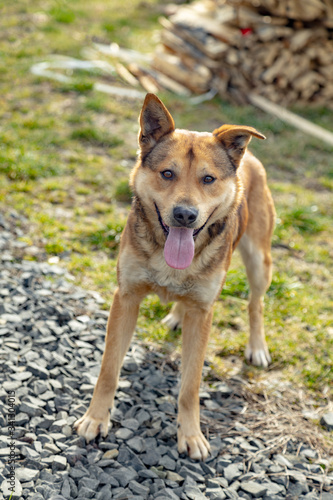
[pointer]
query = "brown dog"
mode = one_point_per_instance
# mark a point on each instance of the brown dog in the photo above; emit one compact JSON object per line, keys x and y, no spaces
{"x":197,"y":196}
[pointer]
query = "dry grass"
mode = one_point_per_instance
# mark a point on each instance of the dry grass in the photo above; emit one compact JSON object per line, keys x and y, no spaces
{"x":279,"y":418}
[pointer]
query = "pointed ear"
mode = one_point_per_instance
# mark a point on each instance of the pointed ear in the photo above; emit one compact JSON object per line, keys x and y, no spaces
{"x":155,"y":122}
{"x":235,"y":138}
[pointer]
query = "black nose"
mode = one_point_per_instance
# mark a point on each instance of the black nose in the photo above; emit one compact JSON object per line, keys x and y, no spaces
{"x":185,"y":216}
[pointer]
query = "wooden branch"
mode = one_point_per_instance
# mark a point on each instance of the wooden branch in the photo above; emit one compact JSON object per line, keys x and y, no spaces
{"x":291,"y":118}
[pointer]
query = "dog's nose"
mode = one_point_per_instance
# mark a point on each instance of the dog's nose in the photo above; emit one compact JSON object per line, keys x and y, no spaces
{"x":185,"y":216}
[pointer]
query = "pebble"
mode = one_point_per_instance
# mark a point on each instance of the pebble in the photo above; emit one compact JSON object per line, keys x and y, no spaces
{"x":327,"y":421}
{"x":111,"y":454}
{"x":59,"y":463}
{"x":254,"y":489}
{"x":7,"y":491}
{"x":231,"y":472}
{"x":124,"y":434}
{"x":25,"y":475}
{"x":51,"y":342}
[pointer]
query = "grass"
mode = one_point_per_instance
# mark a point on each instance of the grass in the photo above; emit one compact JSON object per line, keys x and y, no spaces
{"x":65,"y":155}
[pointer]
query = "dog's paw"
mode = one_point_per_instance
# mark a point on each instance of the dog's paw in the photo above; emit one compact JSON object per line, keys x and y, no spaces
{"x":172,"y":321}
{"x":196,"y":446}
{"x":259,"y":356}
{"x":90,"y":427}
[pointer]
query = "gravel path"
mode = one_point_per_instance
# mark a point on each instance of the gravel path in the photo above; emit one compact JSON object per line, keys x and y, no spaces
{"x":51,"y":344}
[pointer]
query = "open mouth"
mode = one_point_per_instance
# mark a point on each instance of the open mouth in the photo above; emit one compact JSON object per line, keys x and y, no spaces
{"x":179,"y":245}
{"x":166,"y":228}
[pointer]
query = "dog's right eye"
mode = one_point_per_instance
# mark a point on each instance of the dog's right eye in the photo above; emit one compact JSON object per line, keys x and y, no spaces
{"x":167,"y":174}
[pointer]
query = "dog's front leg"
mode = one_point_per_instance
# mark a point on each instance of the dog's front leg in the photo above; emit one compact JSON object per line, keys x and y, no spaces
{"x":121,"y":324}
{"x":196,"y":328}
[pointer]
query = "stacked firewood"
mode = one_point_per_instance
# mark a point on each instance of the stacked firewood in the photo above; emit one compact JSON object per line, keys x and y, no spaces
{"x":279,"y":49}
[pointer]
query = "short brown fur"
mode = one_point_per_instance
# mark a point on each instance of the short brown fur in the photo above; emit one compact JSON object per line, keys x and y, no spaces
{"x":236,"y":209}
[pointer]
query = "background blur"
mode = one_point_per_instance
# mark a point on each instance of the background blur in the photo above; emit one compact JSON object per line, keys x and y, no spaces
{"x":66,"y":150}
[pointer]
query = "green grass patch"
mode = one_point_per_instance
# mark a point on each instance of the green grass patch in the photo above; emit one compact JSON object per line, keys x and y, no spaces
{"x":122,"y":191}
{"x":104,"y":237}
{"x":22,"y":164}
{"x":62,"y":15}
{"x":82,"y":86}
{"x":95,"y":136}
{"x":236,"y":284}
{"x":305,"y":220}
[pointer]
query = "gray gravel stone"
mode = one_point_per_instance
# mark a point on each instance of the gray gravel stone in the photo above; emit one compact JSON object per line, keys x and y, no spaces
{"x":66,"y":489}
{"x":297,"y":489}
{"x":215,"y":494}
{"x":193,"y":492}
{"x":230,"y":493}
{"x":274,"y":489}
{"x":186,"y":472}
{"x":21,"y":376}
{"x":326,"y":496}
{"x":166,"y":493}
{"x":37,"y":370}
{"x":85,"y":492}
{"x":254,"y":489}
{"x":139,"y":489}
{"x":217,"y":482}
{"x":124,"y":475}
{"x":137,"y":444}
{"x":327,"y":421}
{"x":168,"y":463}
{"x":7,"y":491}
{"x":24,"y":474}
{"x":169,"y":432}
{"x":231,"y":472}
{"x":59,"y":463}
{"x":104,"y":493}
{"x":151,"y":457}
{"x":124,"y":434}
{"x":130,"y":423}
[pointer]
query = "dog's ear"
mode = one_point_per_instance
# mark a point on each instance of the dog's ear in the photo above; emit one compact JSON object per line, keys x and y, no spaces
{"x":235,"y":138}
{"x":155,"y":122}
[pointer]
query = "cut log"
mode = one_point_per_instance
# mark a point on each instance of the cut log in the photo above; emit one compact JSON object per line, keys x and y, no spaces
{"x":200,"y":39}
{"x":182,"y":47}
{"x":186,"y":17}
{"x":281,"y":48}
{"x":126,"y":75}
{"x":168,"y":83}
{"x":193,"y":75}
{"x":146,"y":80}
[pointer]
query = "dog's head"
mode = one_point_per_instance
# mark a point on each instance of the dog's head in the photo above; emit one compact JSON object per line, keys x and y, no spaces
{"x":185,"y":180}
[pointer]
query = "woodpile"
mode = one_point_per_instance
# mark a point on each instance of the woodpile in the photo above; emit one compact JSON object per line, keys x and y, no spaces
{"x":279,"y":49}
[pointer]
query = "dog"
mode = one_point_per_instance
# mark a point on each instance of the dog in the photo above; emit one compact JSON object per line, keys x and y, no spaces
{"x":197,"y":196}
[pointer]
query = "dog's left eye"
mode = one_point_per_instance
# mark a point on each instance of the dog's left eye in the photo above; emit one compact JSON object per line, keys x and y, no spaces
{"x":167,"y":174}
{"x":208,"y":179}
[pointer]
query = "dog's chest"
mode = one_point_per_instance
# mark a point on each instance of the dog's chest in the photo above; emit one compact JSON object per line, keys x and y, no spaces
{"x":173,"y":281}
{"x":169,"y":284}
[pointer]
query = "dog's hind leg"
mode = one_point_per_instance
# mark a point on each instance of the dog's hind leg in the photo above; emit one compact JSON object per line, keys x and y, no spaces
{"x":175,"y":317}
{"x":121,"y":324}
{"x":258,"y":265}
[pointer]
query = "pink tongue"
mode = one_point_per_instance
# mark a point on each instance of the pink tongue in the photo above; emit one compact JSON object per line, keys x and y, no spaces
{"x":179,"y":247}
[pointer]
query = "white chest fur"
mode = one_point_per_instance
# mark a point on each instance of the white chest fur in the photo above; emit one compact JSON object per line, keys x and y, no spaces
{"x":167,"y":282}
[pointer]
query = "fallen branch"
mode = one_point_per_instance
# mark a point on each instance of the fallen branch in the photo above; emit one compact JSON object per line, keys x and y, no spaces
{"x":291,"y":118}
{"x":47,"y":69}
